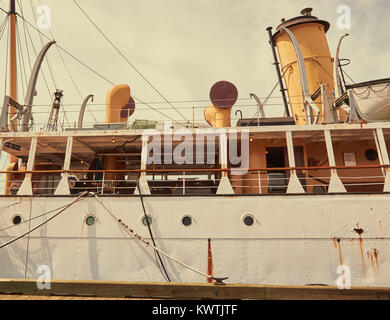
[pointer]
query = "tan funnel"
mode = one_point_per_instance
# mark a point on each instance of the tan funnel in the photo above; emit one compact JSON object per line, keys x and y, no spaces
{"x":119,"y":104}
{"x":223,"y":95}
{"x":310,"y":34}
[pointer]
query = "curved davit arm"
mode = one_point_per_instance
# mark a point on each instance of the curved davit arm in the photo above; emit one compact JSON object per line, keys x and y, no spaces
{"x":32,"y":84}
{"x":337,"y":79}
{"x":82,"y":110}
{"x":302,"y":75}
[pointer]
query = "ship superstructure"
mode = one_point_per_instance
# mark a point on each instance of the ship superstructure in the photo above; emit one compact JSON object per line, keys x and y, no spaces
{"x":282,"y":200}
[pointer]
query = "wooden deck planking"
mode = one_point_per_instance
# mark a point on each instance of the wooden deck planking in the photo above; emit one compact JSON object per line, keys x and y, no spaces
{"x":92,"y":290}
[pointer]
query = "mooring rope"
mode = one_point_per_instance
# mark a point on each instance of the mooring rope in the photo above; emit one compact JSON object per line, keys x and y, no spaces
{"x":148,"y":244}
{"x":165,"y":273}
{"x":43,"y":223}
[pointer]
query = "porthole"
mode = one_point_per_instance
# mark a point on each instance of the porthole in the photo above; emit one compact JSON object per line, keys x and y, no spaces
{"x":186,"y":221}
{"x":90,"y":220}
{"x":147,"y":220}
{"x":371,"y":154}
{"x":248,"y":220}
{"x":16,"y":219}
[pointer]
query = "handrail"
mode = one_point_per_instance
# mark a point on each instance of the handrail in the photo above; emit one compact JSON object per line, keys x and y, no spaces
{"x":181,"y":170}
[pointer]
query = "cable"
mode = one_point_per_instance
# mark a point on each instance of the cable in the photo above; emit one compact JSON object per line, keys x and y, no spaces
{"x":36,"y":55}
{"x":270,"y":94}
{"x":36,"y":217}
{"x":25,"y":36}
{"x":43,"y":223}
{"x":128,"y":61}
{"x":46,"y":57}
{"x":150,"y":231}
{"x":127,"y":142}
{"x":67,"y":52}
{"x":89,"y":68}
{"x":135,"y":235}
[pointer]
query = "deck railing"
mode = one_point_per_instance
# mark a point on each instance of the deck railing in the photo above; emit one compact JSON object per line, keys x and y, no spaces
{"x":313,"y":180}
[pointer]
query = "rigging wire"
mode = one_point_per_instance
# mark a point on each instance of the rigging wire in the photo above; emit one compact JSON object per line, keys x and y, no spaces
{"x":25,"y":37}
{"x":36,"y":55}
{"x":46,"y":57}
{"x":70,"y":75}
{"x":129,"y":62}
{"x":91,"y":69}
{"x":151,"y":234}
{"x":270,"y":94}
{"x":2,"y":26}
{"x":80,"y":197}
{"x":136,"y":236}
{"x":23,"y":80}
{"x":67,"y":52}
{"x":48,"y":63}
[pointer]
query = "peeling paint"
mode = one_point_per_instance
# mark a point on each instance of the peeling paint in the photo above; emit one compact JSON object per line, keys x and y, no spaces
{"x":373,"y":254}
{"x":371,"y":259}
{"x":337,"y":244}
{"x":210,"y":268}
{"x":376,"y":253}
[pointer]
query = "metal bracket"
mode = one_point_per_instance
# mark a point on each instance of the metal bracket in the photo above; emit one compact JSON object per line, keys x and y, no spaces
{"x":63,"y":185}
{"x":225,"y":187}
{"x":294,"y":184}
{"x":8,"y":101}
{"x":335,"y":183}
{"x":26,"y":186}
{"x":307,"y":101}
{"x":328,"y":112}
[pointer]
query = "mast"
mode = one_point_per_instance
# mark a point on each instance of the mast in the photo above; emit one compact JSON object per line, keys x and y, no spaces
{"x":276,"y":63}
{"x":13,"y":82}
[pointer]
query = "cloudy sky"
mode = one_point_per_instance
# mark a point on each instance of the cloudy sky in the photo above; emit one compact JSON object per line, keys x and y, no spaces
{"x":184,"y":46}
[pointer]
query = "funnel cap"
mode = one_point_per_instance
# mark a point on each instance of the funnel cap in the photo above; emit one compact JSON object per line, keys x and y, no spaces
{"x":305,"y":17}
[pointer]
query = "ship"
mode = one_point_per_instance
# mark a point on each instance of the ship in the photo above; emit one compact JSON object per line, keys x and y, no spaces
{"x":297,"y":199}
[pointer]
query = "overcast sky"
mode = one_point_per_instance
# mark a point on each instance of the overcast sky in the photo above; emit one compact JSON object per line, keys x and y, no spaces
{"x":184,"y":46}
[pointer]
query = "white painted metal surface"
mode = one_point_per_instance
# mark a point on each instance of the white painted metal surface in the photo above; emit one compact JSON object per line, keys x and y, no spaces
{"x":293,"y":239}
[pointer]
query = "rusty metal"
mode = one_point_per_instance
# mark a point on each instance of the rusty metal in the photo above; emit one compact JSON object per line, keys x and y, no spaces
{"x":210,"y":267}
{"x":359,"y":231}
{"x":129,"y":109}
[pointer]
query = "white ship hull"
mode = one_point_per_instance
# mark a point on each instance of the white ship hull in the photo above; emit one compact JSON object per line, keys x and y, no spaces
{"x":293,"y":240}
